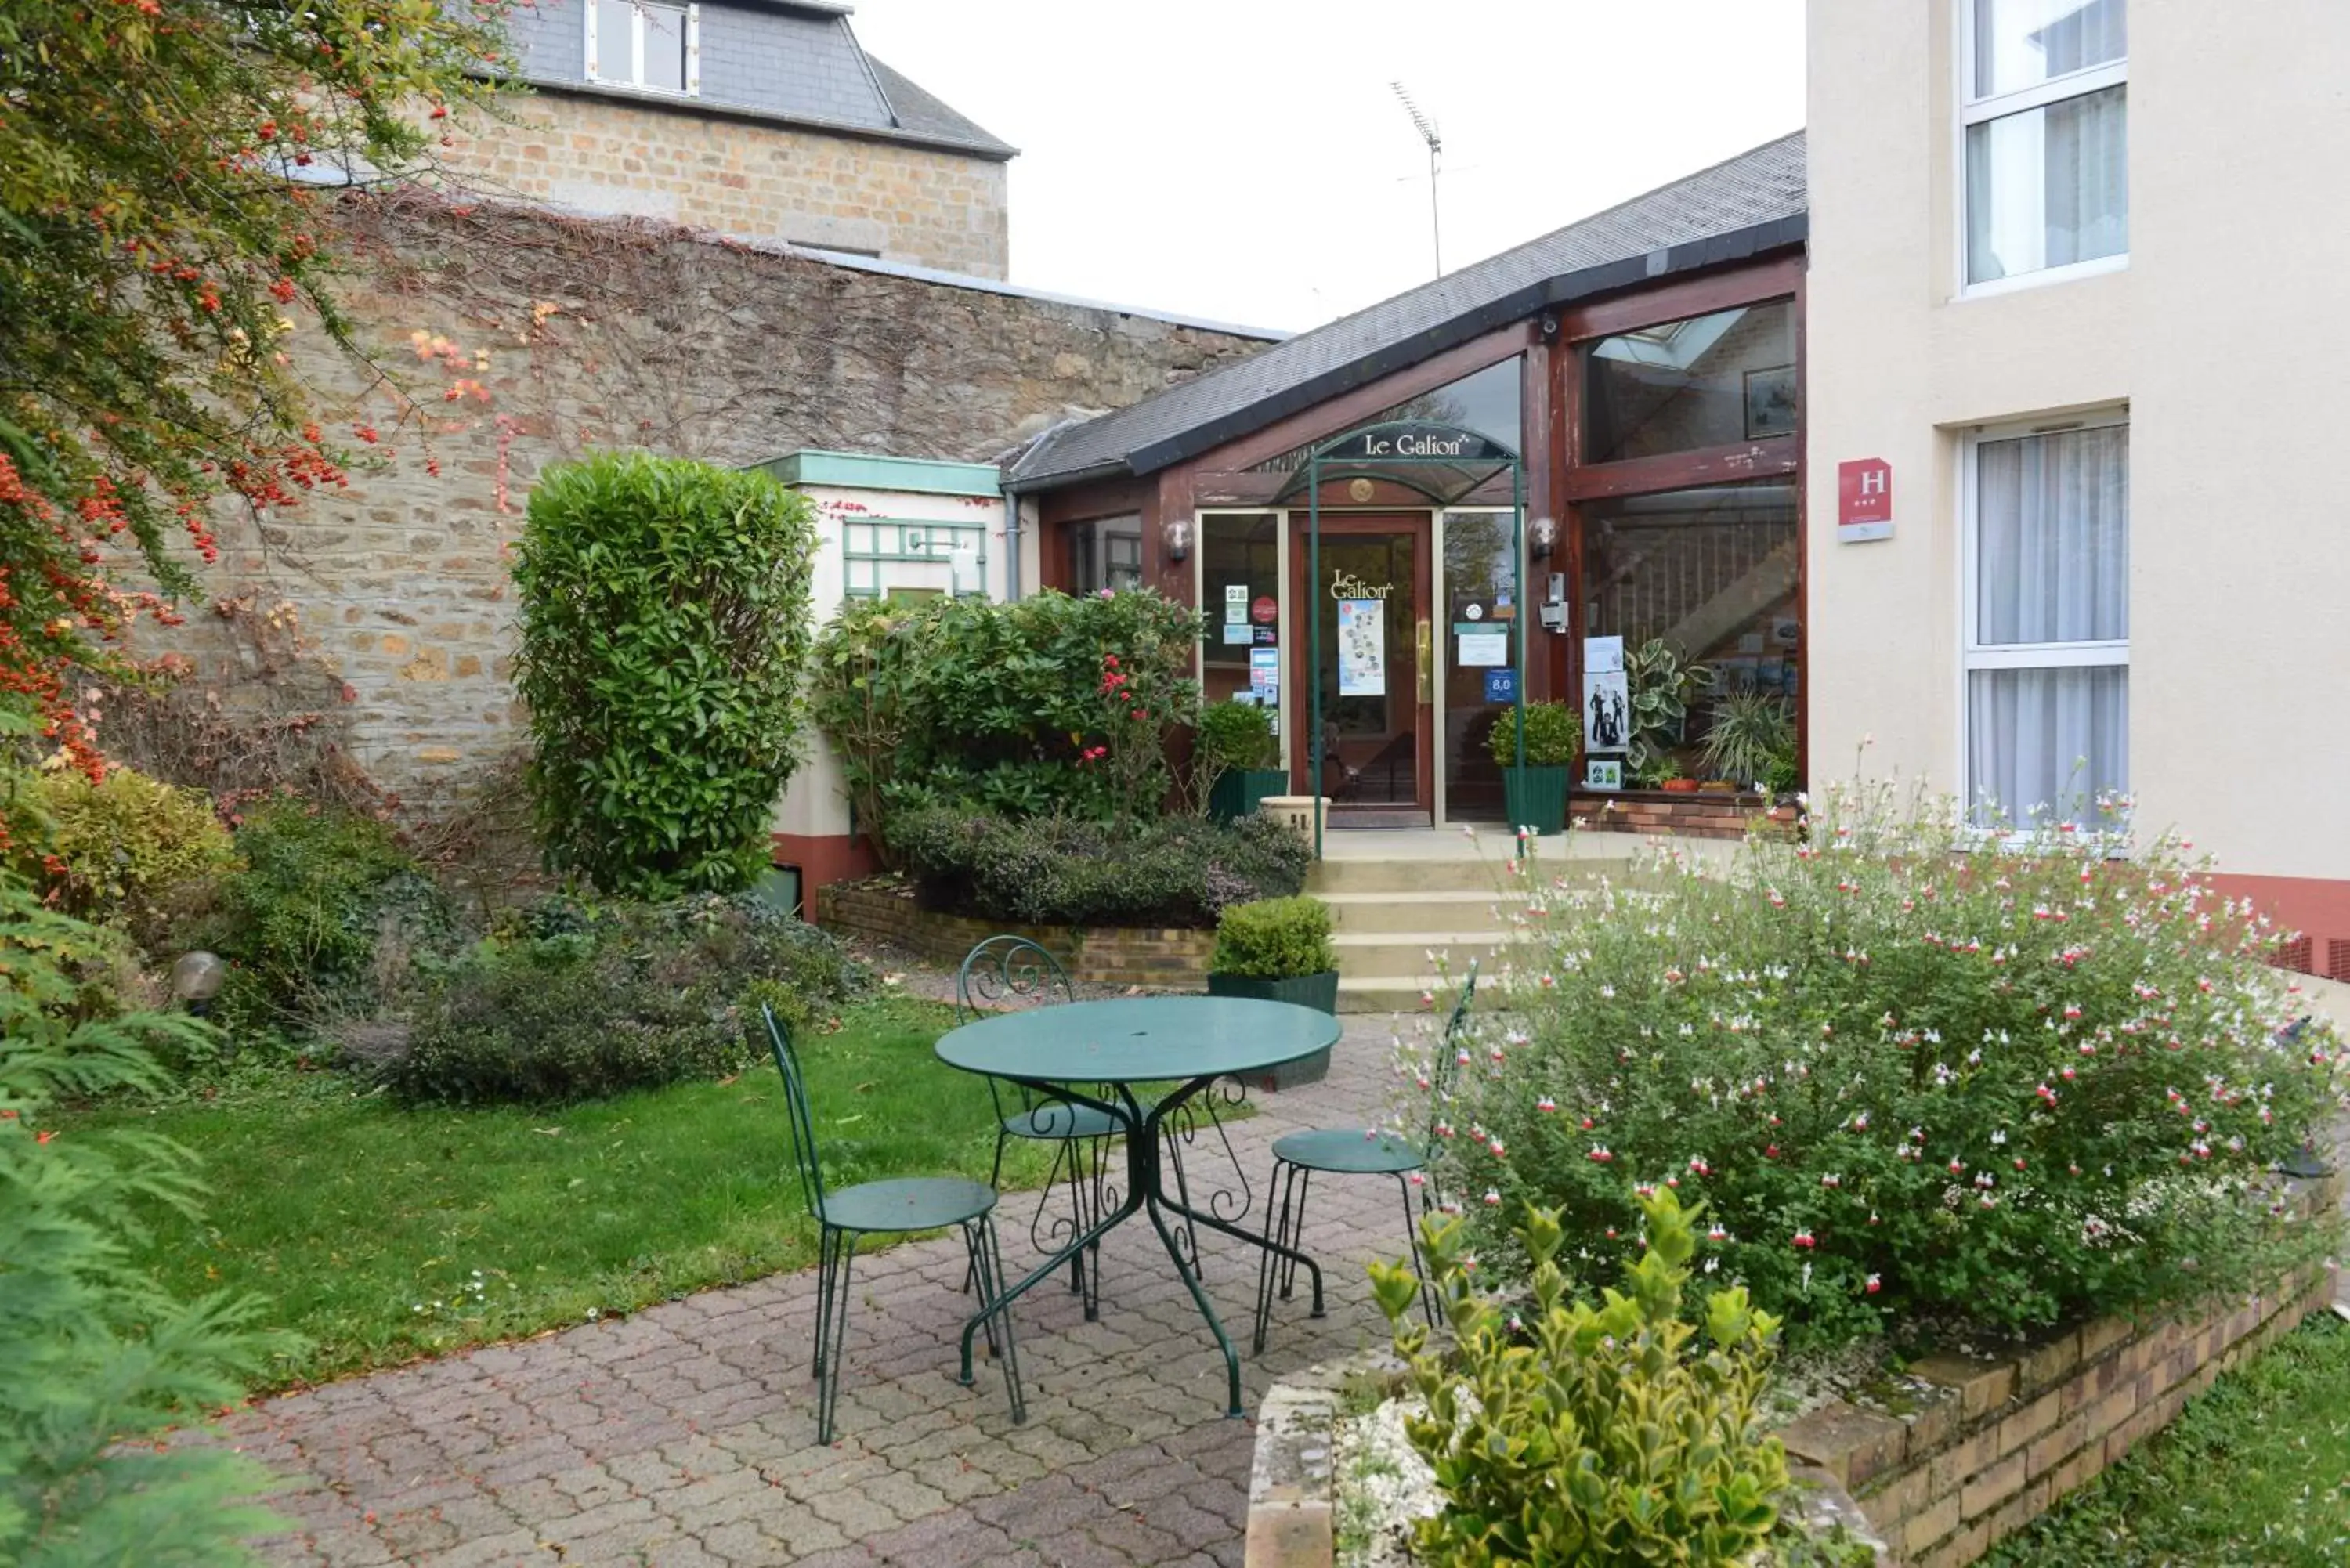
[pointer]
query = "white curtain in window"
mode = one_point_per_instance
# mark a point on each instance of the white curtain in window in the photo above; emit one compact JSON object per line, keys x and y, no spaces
{"x":2050,"y":186}
{"x":2043,"y":744}
{"x":2052,"y":518}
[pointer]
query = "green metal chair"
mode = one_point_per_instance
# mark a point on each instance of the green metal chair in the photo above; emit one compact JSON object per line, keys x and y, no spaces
{"x":887,"y":1208}
{"x":1356,"y":1151}
{"x":1012,"y":970}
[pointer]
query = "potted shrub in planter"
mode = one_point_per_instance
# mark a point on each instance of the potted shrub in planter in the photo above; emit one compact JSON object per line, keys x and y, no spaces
{"x":1535,"y":794}
{"x":1278,"y":950}
{"x":1237,"y":753}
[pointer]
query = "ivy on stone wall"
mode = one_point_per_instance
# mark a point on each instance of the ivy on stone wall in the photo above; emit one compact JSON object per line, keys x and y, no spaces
{"x":664,"y":607}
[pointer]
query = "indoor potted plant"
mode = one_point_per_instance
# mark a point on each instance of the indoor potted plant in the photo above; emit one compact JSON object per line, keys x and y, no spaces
{"x":1535,"y":794}
{"x":1660,"y":686}
{"x":1236,"y":751}
{"x":1752,"y":732}
{"x":1278,"y":950}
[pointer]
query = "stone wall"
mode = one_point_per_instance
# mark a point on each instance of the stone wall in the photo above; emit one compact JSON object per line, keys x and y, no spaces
{"x":749,"y":178}
{"x":884,"y":910}
{"x":2002,"y":1439}
{"x":557,"y":335}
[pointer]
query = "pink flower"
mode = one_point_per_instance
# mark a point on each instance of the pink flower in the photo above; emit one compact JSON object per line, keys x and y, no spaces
{"x":1875,"y":1283}
{"x":1804,"y":1240}
{"x":1493,"y":1198}
{"x":1598,"y":1155}
{"x":1545,"y":1103}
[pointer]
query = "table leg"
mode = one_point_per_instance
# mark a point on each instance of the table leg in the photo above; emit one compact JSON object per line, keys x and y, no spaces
{"x":1137,"y":1189}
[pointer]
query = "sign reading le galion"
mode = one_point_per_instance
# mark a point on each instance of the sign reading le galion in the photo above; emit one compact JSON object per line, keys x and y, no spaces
{"x":1412,"y":441}
{"x":1864,"y":499}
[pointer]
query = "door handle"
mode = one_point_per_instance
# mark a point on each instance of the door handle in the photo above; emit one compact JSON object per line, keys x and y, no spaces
{"x":1427,"y":660}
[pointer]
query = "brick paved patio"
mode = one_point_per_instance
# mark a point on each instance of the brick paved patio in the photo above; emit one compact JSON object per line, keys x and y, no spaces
{"x":685,"y":1437}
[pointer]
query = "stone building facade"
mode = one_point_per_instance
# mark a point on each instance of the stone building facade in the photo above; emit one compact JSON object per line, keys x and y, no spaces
{"x":558,"y":336}
{"x":758,"y":119}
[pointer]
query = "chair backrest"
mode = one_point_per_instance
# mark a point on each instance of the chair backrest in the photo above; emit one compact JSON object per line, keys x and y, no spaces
{"x":803,"y":1121}
{"x":1008,"y":968}
{"x":1447,"y":1055}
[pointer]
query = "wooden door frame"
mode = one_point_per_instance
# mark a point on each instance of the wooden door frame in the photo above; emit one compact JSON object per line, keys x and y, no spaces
{"x":1420,"y":526}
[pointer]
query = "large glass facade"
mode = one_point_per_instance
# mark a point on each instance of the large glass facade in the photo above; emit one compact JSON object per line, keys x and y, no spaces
{"x":1680,"y":386}
{"x":1715,"y":573}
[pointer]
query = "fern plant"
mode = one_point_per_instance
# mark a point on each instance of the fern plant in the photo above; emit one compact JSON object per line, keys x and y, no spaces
{"x":95,"y":1352}
{"x":1589,"y":1436}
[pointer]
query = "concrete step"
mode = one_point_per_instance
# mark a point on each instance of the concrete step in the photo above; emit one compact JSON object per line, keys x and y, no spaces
{"x":1404,"y":955}
{"x":1401,"y":877}
{"x":1354,"y":914}
{"x":1385,"y":995}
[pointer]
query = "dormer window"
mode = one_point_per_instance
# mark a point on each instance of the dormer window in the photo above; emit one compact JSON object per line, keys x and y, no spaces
{"x":640,"y":44}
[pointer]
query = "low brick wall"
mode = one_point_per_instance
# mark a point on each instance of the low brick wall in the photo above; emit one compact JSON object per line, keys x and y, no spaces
{"x":1693,"y":816}
{"x":2001,"y":1440}
{"x":884,"y":911}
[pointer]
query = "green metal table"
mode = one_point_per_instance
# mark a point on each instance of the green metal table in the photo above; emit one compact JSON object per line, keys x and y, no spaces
{"x":1095,"y":1053}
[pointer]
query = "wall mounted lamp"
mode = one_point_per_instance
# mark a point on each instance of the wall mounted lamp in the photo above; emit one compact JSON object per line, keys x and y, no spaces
{"x":1177,"y":534}
{"x":1542,"y":537}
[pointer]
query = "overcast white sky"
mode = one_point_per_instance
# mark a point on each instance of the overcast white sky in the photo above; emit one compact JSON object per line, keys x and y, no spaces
{"x":1246,"y":160}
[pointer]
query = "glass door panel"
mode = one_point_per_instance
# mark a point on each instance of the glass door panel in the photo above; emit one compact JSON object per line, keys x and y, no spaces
{"x":1480,"y":625}
{"x":1377,"y":675}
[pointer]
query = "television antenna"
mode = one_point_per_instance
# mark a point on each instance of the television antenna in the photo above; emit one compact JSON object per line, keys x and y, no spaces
{"x":1427,"y":128}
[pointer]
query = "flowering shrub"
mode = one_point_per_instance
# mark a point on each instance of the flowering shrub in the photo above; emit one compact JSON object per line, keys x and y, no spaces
{"x":1582,"y":1435}
{"x":1051,"y":706}
{"x":2021,"y":1082}
{"x":1175,"y":871}
{"x":116,"y":847}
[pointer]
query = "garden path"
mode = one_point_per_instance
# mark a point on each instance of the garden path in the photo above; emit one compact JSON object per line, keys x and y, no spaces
{"x":685,"y":1437}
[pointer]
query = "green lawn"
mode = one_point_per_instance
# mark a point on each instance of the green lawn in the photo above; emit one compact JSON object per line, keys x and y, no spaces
{"x":380,"y":1234}
{"x":2254,"y":1474}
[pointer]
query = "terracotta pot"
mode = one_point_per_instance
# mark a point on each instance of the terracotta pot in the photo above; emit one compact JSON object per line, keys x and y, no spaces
{"x":1680,"y":786}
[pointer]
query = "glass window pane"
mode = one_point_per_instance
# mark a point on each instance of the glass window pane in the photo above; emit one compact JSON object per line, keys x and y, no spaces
{"x":2049,"y":186}
{"x":1707,"y":380}
{"x":1240,"y":587}
{"x":1365,"y":596}
{"x":1713,"y":573}
{"x":615,"y":33}
{"x":2051,"y":542}
{"x":2043,"y":746}
{"x":665,"y":47}
{"x":1479,"y":574}
{"x":2023,"y":43}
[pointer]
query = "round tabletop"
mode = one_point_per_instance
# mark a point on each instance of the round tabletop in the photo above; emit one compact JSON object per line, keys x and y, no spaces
{"x":1139,"y":1039}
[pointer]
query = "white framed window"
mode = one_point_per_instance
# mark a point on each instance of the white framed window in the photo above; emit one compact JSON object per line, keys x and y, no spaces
{"x":642,"y":44}
{"x":2046,"y":612}
{"x":2043,"y":153}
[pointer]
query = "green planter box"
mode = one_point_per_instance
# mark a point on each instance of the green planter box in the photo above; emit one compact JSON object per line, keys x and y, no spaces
{"x":1536,"y":797}
{"x":1319,"y":991}
{"x":1238,"y":792}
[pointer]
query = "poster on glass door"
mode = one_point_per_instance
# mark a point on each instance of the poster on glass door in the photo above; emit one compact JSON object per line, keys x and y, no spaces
{"x":1607,"y":696}
{"x":1362,"y":648}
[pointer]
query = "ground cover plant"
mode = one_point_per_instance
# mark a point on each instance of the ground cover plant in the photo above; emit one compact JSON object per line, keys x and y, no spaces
{"x":576,"y":998}
{"x":1180,"y":871}
{"x":2011,"y":1085}
{"x":2256,"y":1471}
{"x":664,"y":608}
{"x":380,"y":1234}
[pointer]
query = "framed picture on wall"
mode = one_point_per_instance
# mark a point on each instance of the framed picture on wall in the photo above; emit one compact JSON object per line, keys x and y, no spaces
{"x":1771,"y":403}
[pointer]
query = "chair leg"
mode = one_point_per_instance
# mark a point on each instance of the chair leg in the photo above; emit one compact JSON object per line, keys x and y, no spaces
{"x":827,"y":1246}
{"x":976,"y":1261}
{"x":1304,"y":1177}
{"x":828,"y":1390}
{"x":994,"y":1180}
{"x":1411,"y":1235}
{"x":1276,"y":1226}
{"x":987,"y":1256}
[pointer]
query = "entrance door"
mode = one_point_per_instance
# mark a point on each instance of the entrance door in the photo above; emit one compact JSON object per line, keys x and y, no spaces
{"x":1376,"y":677}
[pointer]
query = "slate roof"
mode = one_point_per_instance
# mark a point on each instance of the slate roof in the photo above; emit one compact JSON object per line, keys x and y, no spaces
{"x":923,"y":115}
{"x":1745,"y":205}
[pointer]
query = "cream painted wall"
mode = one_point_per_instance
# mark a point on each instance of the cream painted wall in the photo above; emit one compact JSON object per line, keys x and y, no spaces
{"x":814,"y":802}
{"x":2228,"y":337}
